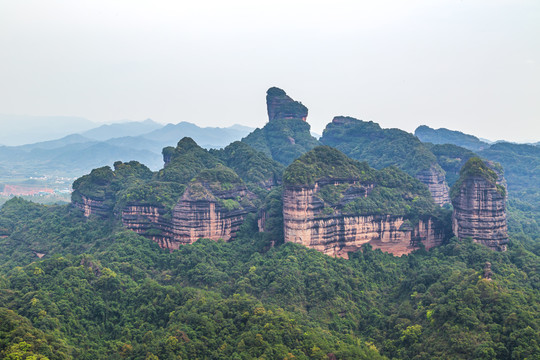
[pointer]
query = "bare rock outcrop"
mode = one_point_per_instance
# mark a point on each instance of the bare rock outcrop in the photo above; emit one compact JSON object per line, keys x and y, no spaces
{"x":92,"y":207}
{"x":434,"y":179}
{"x":152,"y":222}
{"x":205,"y":210}
{"x":281,"y":106}
{"x":336,"y":205}
{"x":479,"y":201}
{"x":308,"y":222}
{"x":214,"y":215}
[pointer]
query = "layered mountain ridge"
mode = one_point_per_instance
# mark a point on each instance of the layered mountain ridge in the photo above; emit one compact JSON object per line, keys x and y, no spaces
{"x":323,"y":199}
{"x":367,"y":141}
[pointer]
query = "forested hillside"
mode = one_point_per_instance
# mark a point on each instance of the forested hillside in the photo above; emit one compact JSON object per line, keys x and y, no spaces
{"x":101,"y":292}
{"x":136,"y":267}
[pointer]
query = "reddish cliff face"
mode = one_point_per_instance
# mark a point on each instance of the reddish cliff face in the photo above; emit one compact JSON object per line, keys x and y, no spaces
{"x":434,"y":179}
{"x":151,"y":222}
{"x":306,"y":222}
{"x":204,"y":211}
{"x":92,"y":207}
{"x":213,"y":214}
{"x":480,"y":213}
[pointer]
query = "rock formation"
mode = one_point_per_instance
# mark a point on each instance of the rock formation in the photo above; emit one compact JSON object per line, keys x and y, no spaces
{"x":367,"y":141}
{"x":287,"y":134}
{"x":92,"y":207}
{"x":152,"y":222}
{"x":214,"y":205}
{"x":280,"y":106}
{"x":336,"y":234}
{"x":335,"y":205}
{"x":215,"y":216}
{"x":435,"y":180}
{"x":479,"y":205}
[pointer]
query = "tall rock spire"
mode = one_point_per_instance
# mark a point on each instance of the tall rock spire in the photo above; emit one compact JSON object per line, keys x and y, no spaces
{"x":281,"y":106}
{"x":479,"y":201}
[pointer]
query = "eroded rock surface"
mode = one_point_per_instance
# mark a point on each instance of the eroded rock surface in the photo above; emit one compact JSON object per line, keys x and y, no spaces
{"x":202,"y":212}
{"x":92,"y":207}
{"x":479,"y":201}
{"x":280,"y":106}
{"x":336,"y":234}
{"x":216,"y":215}
{"x":434,"y":179}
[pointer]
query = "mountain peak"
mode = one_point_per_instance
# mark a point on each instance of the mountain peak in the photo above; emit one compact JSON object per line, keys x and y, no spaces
{"x":281,"y":106}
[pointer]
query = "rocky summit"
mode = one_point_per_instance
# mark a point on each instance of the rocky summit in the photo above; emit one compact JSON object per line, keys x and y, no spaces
{"x":280,"y":106}
{"x":287,"y":135}
{"x":324,"y":199}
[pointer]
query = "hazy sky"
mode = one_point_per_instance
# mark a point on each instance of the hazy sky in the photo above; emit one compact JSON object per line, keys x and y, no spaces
{"x":467,"y":65}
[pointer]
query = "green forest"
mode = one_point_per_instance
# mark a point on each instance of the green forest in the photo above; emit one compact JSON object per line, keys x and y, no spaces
{"x":107,"y":293}
{"x":76,"y":287}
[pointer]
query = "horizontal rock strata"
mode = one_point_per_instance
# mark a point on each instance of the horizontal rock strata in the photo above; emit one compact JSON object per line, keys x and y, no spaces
{"x":192,"y":218}
{"x":92,"y":207}
{"x":435,"y":180}
{"x":337,"y":234}
{"x":480,"y":213}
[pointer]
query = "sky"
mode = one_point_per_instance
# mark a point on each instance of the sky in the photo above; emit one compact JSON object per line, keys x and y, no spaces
{"x":472,"y":66}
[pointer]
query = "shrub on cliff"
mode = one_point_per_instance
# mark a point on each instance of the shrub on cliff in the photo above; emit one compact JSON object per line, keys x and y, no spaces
{"x":476,"y":167}
{"x":283,"y":140}
{"x":367,"y":141}
{"x":187,"y":160}
{"x":325,"y":163}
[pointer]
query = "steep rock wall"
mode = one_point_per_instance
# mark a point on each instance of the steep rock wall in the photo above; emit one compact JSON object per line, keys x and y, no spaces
{"x":435,"y":180}
{"x":192,"y":218}
{"x":480,"y":213}
{"x":281,"y":106}
{"x":92,"y":207}
{"x":151,"y":222}
{"x":337,"y":234}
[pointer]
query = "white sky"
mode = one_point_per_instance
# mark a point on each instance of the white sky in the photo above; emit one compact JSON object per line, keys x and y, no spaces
{"x":467,"y":65}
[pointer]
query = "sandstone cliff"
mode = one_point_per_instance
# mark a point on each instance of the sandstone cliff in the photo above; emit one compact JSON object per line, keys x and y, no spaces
{"x":95,"y":193}
{"x":215,"y":214}
{"x":335,"y":205}
{"x":479,"y":202}
{"x":280,"y":106}
{"x":435,"y":180}
{"x":214,"y":205}
{"x":92,"y":207}
{"x":152,"y":222}
{"x":308,"y":222}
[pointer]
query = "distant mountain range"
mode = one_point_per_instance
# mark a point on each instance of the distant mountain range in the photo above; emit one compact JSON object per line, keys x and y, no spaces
{"x":446,"y":136}
{"x":132,"y":128}
{"x":23,"y":129}
{"x":78,"y":153}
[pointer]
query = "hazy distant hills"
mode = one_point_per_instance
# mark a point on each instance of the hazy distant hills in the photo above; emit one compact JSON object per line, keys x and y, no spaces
{"x":76,"y":154}
{"x":445,"y":136}
{"x":208,"y":137}
{"x":23,"y":129}
{"x":521,"y":162}
{"x":132,"y":128}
